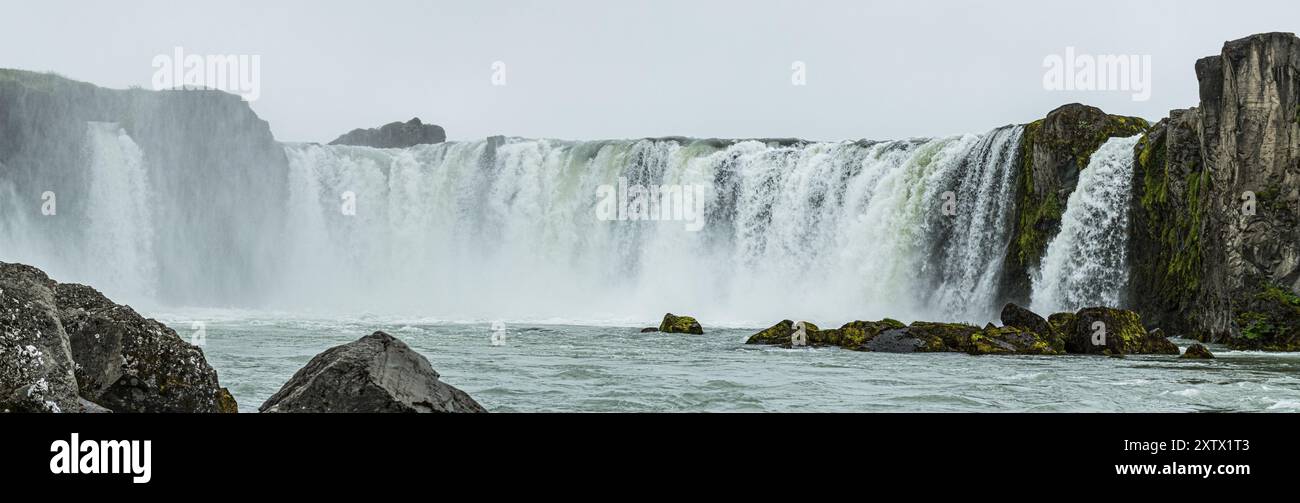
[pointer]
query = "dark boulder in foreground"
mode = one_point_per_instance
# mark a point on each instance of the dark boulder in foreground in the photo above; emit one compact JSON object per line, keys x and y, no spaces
{"x":128,"y":363}
{"x":1197,"y":352}
{"x":67,"y":348}
{"x":36,"y":368}
{"x":394,"y":135}
{"x":680,"y":325}
{"x":377,"y":373}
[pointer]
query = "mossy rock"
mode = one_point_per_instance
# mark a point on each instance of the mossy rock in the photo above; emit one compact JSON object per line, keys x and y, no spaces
{"x":1013,"y":341}
{"x":226,"y":402}
{"x":1028,"y":321}
{"x":1197,"y":352}
{"x":1123,"y":334}
{"x":779,"y":334}
{"x":923,"y":337}
{"x":853,"y":335}
{"x":1271,"y":322}
{"x":680,"y":325}
{"x":1063,"y":323}
{"x":1171,"y":192}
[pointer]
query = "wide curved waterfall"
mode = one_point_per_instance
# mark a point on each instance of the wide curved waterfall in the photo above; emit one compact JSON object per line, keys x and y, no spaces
{"x":509,"y":228}
{"x":512,"y":229}
{"x":1086,"y":264}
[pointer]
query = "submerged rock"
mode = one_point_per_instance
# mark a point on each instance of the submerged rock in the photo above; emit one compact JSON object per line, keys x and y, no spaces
{"x":376,"y":373}
{"x":1197,"y":352}
{"x":129,"y":363}
{"x":680,"y":325}
{"x":1110,"y":331}
{"x":394,"y":135}
{"x":648,"y":330}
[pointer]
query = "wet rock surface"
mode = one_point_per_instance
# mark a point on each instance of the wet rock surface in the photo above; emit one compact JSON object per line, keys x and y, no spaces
{"x":67,"y":348}
{"x":376,"y":373}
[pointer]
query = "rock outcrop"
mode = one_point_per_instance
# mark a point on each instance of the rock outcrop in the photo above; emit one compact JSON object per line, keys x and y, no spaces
{"x":1197,"y":352}
{"x":376,"y":373}
{"x":36,"y":367}
{"x":1109,"y":331}
{"x":1052,"y":152}
{"x":128,"y":363}
{"x":1216,"y":233}
{"x":67,"y":348}
{"x":394,"y":135}
{"x":1013,"y":341}
{"x":778,"y":334}
{"x":680,"y":325}
{"x":1094,"y":330}
{"x":1168,"y":216}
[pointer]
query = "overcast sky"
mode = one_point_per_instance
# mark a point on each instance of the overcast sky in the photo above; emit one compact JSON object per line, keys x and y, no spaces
{"x":621,"y":68}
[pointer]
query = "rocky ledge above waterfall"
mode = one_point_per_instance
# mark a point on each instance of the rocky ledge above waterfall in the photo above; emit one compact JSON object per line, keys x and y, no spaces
{"x":394,"y":135}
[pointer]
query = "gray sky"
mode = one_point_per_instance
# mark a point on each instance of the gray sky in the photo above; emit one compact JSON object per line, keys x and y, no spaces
{"x":622,"y":68}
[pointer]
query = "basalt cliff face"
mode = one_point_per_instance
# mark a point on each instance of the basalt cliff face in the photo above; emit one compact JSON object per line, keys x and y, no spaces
{"x":1216,"y":241}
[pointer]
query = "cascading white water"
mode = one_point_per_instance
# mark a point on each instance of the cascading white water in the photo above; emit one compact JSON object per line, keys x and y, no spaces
{"x":508,"y":229}
{"x":100,"y":233}
{"x":119,"y":257}
{"x":1086,"y":263}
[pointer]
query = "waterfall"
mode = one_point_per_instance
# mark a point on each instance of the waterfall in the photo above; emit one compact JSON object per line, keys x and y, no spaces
{"x":102,"y":236}
{"x":119,"y":257}
{"x":1086,"y":264}
{"x":512,"y":228}
{"x":508,"y":228}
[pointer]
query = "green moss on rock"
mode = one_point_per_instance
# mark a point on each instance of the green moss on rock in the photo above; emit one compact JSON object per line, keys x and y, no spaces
{"x":1012,"y":340}
{"x":1167,"y":251}
{"x":779,"y":334}
{"x":1119,"y":331}
{"x":1197,"y":352}
{"x":680,"y":325}
{"x":1052,"y":152}
{"x":1271,"y":323}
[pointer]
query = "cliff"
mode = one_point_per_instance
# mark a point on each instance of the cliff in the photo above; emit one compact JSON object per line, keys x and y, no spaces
{"x":1216,"y":244}
{"x":209,"y":159}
